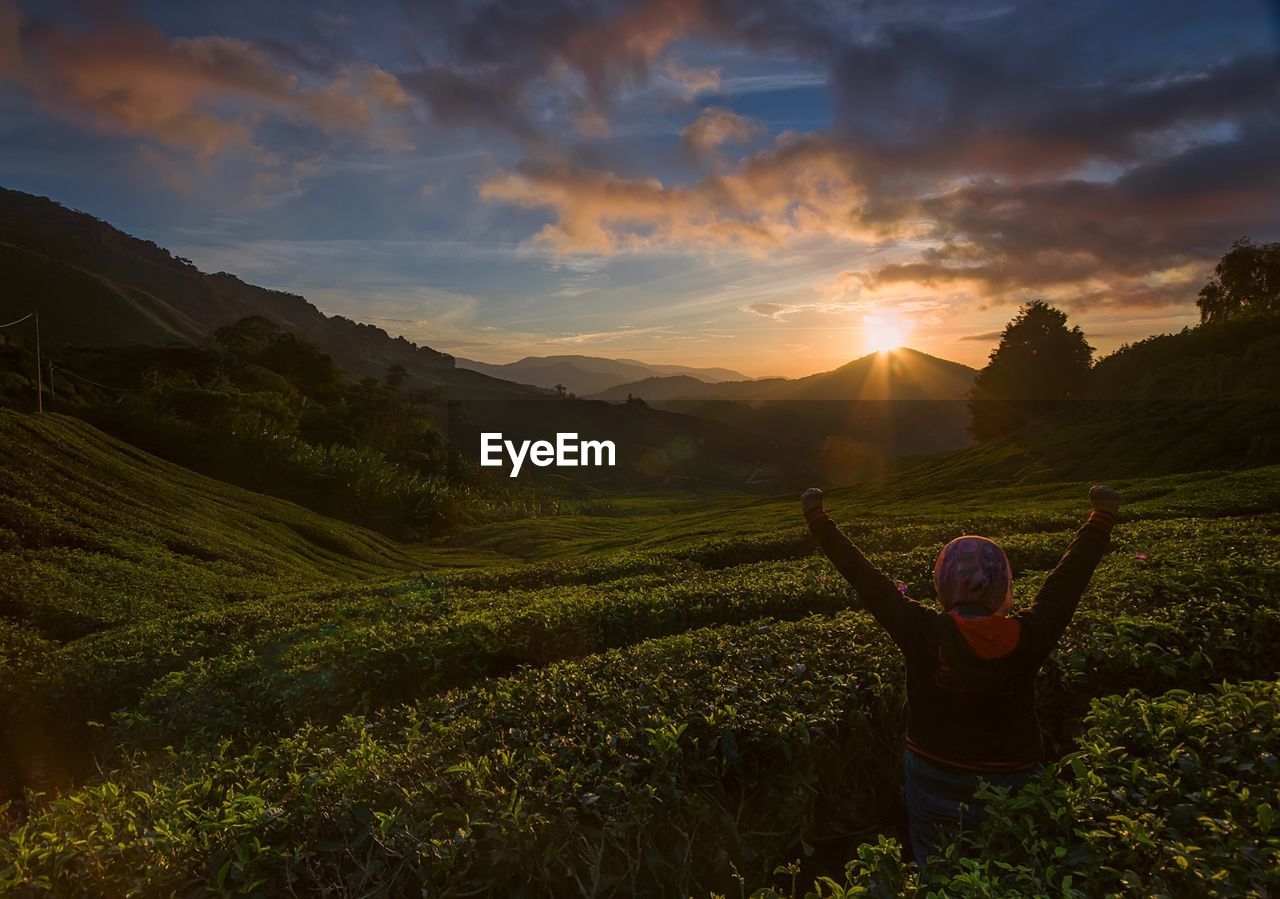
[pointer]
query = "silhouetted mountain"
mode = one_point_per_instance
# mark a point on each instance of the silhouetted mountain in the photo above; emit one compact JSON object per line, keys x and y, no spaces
{"x":849,"y":424}
{"x":591,"y":374}
{"x":120,"y":299}
{"x":903,"y":374}
{"x":97,"y":286}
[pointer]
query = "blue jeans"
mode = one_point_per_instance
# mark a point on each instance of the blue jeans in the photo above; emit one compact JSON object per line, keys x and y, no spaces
{"x":940,"y":802}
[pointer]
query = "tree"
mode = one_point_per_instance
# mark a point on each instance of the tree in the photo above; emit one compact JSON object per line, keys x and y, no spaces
{"x":396,"y":373}
{"x":256,"y":339}
{"x":560,"y":389}
{"x":1246,"y":281}
{"x":1040,"y":364}
{"x":247,"y":337}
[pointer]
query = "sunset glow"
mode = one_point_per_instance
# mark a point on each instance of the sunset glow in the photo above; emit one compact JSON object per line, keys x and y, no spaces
{"x":667,"y":180}
{"x":881,"y":333}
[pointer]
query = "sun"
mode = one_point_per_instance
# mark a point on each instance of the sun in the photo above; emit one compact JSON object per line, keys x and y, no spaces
{"x":881,"y":333}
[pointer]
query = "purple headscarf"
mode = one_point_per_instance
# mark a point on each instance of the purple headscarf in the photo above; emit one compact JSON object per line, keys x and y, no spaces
{"x":974,"y":573}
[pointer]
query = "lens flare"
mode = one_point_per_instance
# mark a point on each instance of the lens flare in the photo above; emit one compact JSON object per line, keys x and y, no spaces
{"x":881,"y":333}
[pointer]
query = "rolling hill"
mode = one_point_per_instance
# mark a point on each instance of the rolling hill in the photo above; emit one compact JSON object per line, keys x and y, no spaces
{"x":591,"y":374}
{"x":688,"y":707}
{"x":903,"y":374}
{"x":1206,"y":397}
{"x":848,"y":424}
{"x":97,"y":286}
{"x":96,"y":532}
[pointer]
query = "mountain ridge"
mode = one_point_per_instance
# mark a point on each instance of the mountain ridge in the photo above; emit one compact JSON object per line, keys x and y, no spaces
{"x":97,"y":285}
{"x":581,"y":374}
{"x":906,"y":374}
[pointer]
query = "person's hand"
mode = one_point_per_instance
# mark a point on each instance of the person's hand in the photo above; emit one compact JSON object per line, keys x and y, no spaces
{"x":1104,"y":499}
{"x":811,"y":503}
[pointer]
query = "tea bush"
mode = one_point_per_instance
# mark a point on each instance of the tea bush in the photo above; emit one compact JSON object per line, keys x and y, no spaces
{"x":653,"y":705}
{"x":1175,"y":795}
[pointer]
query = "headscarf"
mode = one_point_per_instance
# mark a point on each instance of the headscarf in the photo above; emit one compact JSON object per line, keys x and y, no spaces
{"x":973,"y":576}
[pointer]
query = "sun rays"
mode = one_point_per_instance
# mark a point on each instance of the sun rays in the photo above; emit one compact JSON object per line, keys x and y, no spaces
{"x":882,"y":332}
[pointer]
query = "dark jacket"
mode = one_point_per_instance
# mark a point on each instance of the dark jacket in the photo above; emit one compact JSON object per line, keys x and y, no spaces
{"x":971,"y":681}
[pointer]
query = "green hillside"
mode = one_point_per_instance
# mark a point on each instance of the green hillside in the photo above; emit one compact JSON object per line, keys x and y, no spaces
{"x":665,"y":695}
{"x":97,"y":286}
{"x":127,"y":313}
{"x":1202,"y":398}
{"x":96,"y":533}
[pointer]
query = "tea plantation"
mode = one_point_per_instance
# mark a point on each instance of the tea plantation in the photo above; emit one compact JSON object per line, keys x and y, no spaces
{"x":222,"y":694}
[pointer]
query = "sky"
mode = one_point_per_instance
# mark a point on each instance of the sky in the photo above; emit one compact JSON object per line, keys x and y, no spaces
{"x":776,"y":187}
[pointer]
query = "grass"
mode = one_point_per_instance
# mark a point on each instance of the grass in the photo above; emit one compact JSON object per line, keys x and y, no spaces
{"x":670,"y":695}
{"x":98,"y":534}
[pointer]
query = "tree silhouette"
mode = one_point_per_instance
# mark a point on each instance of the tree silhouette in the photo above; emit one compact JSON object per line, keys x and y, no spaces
{"x":258,"y":340}
{"x":1246,"y":281}
{"x":396,"y":373}
{"x":560,"y":389}
{"x":1039,"y":364}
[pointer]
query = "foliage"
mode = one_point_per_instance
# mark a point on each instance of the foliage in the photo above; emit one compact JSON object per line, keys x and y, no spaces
{"x":94,"y":534}
{"x":661,"y":706}
{"x":1202,"y":398}
{"x":1245,"y":283}
{"x":1039,"y":363}
{"x":1174,"y":795}
{"x":265,"y":409}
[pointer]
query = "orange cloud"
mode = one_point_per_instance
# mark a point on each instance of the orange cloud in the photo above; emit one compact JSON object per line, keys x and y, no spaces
{"x":625,"y":45}
{"x":693,"y":81}
{"x":800,"y":188}
{"x":203,"y":95}
{"x":10,"y":39}
{"x":717,"y":126}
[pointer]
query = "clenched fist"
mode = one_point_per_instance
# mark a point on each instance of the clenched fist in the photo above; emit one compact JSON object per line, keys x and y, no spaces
{"x":1104,"y":499}
{"x":811,"y":503}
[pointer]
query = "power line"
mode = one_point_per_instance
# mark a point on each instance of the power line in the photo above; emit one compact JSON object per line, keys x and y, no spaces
{"x":18,"y":321}
{"x":39,"y":374}
{"x":77,"y":375}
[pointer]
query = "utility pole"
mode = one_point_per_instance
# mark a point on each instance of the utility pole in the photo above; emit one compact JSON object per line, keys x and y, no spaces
{"x":39,"y":371}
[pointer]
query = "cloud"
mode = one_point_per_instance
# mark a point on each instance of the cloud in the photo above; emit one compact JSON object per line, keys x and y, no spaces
{"x":455,"y":99}
{"x":204,"y":96}
{"x":692,"y":81}
{"x":1090,"y":154}
{"x":783,"y":311}
{"x":10,"y":39}
{"x":714,"y":127}
{"x":917,"y":99}
{"x":775,"y":311}
{"x":801,"y":187}
{"x":1016,"y":168}
{"x":1145,"y":238}
{"x":505,"y":63}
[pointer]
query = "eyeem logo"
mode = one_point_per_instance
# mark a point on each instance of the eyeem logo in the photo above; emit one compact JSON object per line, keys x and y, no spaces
{"x":566,"y":452}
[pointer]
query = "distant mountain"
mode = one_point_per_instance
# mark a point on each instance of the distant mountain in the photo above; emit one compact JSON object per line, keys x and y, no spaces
{"x":100,"y":289}
{"x":903,"y":374}
{"x":591,"y":374}
{"x":97,"y":286}
{"x":711,"y":375}
{"x":849,"y":424}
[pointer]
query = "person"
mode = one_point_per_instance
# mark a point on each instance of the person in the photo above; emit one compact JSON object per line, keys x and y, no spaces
{"x":971,"y":667}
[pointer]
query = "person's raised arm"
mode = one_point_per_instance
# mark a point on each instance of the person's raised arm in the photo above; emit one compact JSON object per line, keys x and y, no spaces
{"x":897,"y":614}
{"x":1056,"y":602}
